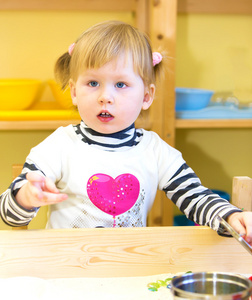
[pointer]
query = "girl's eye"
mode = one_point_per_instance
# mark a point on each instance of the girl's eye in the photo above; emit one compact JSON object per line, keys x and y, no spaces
{"x":120,"y":85}
{"x":93,"y":83}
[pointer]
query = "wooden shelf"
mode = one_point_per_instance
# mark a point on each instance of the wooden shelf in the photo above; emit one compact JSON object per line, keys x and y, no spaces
{"x":215,"y":6}
{"x":213,"y":123}
{"x":94,"y":5}
{"x":143,"y":123}
{"x":35,"y":125}
{"x":184,"y":6}
{"x":52,"y":125}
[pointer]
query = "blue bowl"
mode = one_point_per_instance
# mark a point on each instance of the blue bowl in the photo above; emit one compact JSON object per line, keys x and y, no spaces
{"x":181,"y":220}
{"x":222,"y":194}
{"x":192,"y":99}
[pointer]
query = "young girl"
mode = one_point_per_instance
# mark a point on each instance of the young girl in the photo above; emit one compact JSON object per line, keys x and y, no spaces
{"x":104,"y":172}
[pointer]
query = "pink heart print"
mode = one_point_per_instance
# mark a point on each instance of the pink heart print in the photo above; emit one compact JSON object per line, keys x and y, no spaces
{"x":113,"y":196}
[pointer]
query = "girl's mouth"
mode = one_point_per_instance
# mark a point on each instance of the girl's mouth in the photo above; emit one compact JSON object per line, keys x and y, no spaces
{"x":105,"y":116}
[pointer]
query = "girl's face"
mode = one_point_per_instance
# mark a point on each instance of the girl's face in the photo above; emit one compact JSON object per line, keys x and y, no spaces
{"x":109,"y":99}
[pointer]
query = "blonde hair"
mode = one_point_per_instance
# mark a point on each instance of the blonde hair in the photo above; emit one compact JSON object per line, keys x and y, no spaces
{"x":103,"y":42}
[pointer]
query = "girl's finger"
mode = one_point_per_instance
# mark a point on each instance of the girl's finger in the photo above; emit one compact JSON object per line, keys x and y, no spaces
{"x":52,"y":198}
{"x":50,"y":186}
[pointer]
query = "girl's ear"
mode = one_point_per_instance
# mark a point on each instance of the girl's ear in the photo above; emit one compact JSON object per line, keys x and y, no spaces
{"x":148,"y":96}
{"x":73,"y":91}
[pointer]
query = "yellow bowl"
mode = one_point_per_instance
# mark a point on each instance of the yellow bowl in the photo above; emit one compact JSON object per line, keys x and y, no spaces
{"x":18,"y":94}
{"x":63,"y":98}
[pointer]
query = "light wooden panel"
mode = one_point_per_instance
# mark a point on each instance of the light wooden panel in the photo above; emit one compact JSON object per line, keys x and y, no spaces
{"x":118,"y":252}
{"x":215,"y":6}
{"x":143,"y":15}
{"x":163,"y":35}
{"x":16,"y":170}
{"x":242,"y":192}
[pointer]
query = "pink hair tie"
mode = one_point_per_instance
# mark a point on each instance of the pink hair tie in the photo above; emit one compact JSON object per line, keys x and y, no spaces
{"x":70,"y":48}
{"x":156,"y":57}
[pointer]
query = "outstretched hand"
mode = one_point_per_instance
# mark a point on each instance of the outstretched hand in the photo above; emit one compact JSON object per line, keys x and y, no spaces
{"x":242,"y":223}
{"x":38,"y":191}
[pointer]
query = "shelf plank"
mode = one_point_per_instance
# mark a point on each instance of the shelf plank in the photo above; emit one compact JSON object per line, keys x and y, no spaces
{"x":184,"y":6}
{"x":35,"y":125}
{"x":54,"y":124}
{"x":213,"y":123}
{"x":140,"y":123}
{"x":94,"y":5}
{"x":215,"y":6}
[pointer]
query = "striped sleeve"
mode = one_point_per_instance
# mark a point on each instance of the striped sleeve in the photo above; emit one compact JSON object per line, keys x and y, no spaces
{"x":10,"y":211}
{"x":197,"y":202}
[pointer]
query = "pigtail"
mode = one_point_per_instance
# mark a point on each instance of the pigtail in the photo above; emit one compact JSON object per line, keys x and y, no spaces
{"x":62,"y":70}
{"x":163,"y":66}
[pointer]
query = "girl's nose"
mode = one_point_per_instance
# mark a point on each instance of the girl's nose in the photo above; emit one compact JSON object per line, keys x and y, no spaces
{"x":106,"y":97}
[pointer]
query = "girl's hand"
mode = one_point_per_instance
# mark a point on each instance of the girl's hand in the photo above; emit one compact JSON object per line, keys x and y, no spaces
{"x":38,"y":191}
{"x":242,"y":223}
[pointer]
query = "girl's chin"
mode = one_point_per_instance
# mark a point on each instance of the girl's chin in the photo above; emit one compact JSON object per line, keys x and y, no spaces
{"x":107,"y":129}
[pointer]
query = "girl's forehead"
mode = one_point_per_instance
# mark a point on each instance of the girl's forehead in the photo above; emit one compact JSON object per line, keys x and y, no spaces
{"x":115,"y":68}
{"x":119,"y":63}
{"x":124,"y":59}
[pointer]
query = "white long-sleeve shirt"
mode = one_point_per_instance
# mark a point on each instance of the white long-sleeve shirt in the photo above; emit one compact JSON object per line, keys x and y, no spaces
{"x":113,"y":188}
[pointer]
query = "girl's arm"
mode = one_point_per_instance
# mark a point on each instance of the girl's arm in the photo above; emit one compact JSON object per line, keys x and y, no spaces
{"x":202,"y":206}
{"x":10,"y":211}
{"x":197,"y":202}
{"x":17,"y":208}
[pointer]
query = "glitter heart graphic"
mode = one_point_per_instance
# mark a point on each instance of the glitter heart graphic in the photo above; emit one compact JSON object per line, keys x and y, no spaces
{"x":113,"y":196}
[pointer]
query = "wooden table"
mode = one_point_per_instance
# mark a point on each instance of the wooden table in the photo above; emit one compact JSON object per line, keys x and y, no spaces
{"x":116,"y":252}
